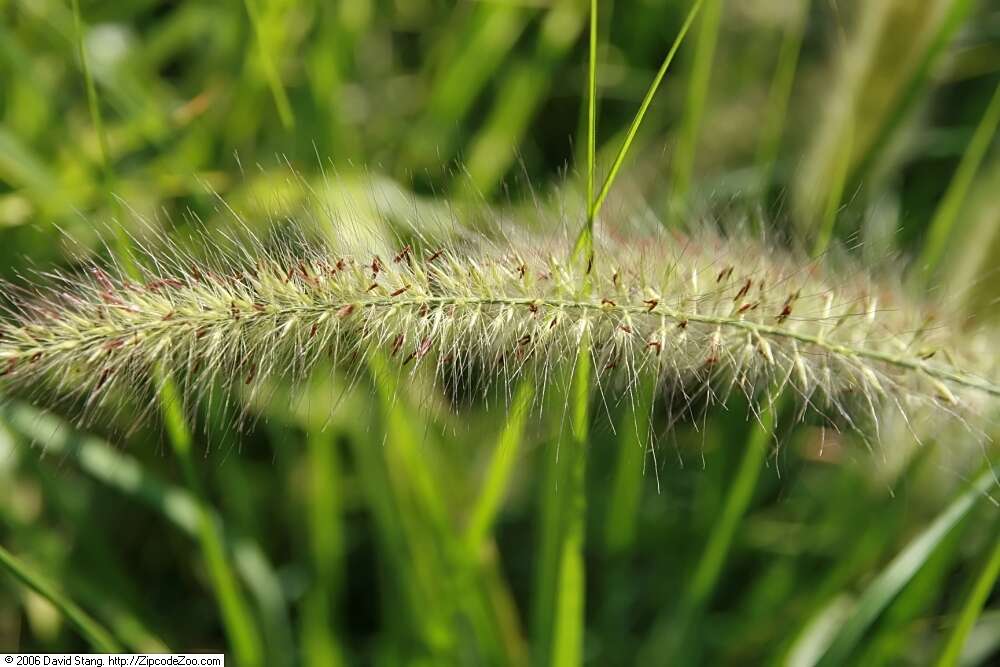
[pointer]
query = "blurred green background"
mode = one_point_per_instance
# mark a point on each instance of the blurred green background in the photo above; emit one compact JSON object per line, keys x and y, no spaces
{"x":407,"y":531}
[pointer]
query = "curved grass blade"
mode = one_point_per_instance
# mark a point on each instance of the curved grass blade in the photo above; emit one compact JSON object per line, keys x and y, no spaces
{"x":880,"y":593}
{"x":973,"y":605}
{"x":951,"y":20}
{"x":946,"y":215}
{"x":118,"y":471}
{"x":92,"y":631}
{"x":501,"y":466}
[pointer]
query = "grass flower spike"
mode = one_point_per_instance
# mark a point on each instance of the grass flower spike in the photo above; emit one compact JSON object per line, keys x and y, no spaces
{"x":706,"y":314}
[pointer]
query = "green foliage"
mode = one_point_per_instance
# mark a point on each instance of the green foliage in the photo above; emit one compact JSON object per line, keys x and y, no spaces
{"x":367,"y":516}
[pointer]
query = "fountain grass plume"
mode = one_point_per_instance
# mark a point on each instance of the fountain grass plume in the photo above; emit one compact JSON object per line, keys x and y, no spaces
{"x":708,"y":314}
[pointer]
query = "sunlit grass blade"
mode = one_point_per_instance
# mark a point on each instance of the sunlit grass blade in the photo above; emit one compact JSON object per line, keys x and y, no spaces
{"x":835,"y":194}
{"x":118,"y":471}
{"x":271,"y":73}
{"x":237,"y":617}
{"x":972,"y":607}
{"x":946,"y":215}
{"x":319,"y":628}
{"x":93,"y":632}
{"x":623,"y":506}
{"x":880,"y":593}
{"x":498,"y":474}
{"x":694,"y":108}
{"x":916,"y":84}
{"x":781,"y":90}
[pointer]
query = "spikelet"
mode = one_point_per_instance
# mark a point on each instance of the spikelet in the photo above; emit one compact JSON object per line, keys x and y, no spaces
{"x":706,"y":314}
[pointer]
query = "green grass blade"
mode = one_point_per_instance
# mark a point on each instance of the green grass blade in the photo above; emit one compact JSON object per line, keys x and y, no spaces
{"x":951,"y":20}
{"x":943,"y":222}
{"x":501,"y":466}
{"x":518,"y":97}
{"x":122,"y":244}
{"x":626,"y":489}
{"x":694,"y":109}
{"x":570,"y":606}
{"x":592,"y":115}
{"x":880,"y":593}
{"x":779,"y":95}
{"x":281,"y":101}
{"x":93,"y":103}
{"x":835,"y":194}
{"x":595,"y":205}
{"x":454,"y":579}
{"x":116,"y":470}
{"x":236,"y":615}
{"x":319,"y":637}
{"x":972,"y":607}
{"x":670,"y":630}
{"x":470,"y":53}
{"x":559,"y":604}
{"x":92,"y":631}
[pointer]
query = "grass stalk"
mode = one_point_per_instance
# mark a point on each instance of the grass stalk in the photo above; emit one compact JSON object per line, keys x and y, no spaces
{"x":99,"y":639}
{"x":592,"y":118}
{"x":616,"y":166}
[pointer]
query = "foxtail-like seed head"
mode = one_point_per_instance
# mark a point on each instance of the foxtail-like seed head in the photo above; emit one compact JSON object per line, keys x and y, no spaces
{"x":706,"y":315}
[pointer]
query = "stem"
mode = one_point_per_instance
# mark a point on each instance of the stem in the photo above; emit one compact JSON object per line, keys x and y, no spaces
{"x":95,"y":634}
{"x":637,"y":121}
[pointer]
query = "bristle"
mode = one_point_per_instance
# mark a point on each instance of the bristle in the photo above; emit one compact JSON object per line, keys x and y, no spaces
{"x":777,"y":322}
